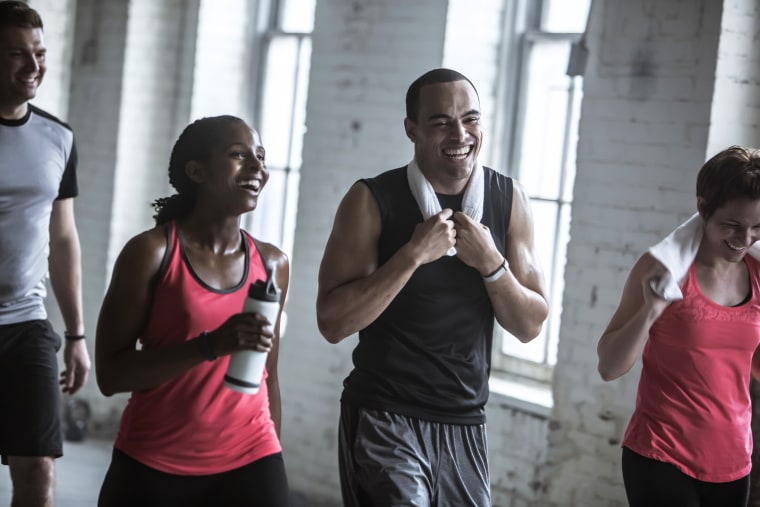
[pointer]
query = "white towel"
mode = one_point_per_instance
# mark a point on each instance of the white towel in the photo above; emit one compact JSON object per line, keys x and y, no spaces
{"x":677,"y":251}
{"x":422,"y":190}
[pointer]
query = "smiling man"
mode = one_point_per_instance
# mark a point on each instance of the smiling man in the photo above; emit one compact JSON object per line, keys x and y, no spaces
{"x":420,"y":261}
{"x":37,"y":235}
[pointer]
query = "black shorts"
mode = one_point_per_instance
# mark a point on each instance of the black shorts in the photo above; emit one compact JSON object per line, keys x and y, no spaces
{"x":652,"y":483}
{"x":128,"y":483}
{"x":31,"y":395}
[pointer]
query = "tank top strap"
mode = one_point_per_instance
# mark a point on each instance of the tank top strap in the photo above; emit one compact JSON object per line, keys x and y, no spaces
{"x":754,"y":275}
{"x":172,"y":250}
{"x":257,"y":264}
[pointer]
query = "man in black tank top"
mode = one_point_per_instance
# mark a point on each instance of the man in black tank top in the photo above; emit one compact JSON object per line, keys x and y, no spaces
{"x":420,"y":261}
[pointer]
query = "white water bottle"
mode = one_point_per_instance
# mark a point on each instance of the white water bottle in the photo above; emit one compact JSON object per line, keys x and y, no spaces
{"x":246,"y":367}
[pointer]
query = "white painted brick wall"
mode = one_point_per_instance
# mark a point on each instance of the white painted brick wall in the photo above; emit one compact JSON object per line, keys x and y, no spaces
{"x":57,"y":18}
{"x":517,"y":445}
{"x":155,"y":106}
{"x":736,"y":108}
{"x":94,"y":110}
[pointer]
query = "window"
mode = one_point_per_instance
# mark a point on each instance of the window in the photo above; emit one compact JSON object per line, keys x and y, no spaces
{"x":281,"y":73}
{"x":542,"y":103}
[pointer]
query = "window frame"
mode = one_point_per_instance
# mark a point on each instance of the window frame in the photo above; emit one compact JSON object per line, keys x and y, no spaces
{"x":267,"y":18}
{"x":524,"y":32}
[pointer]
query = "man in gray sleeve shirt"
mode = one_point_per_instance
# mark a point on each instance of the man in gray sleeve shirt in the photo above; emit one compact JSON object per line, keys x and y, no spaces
{"x":37,"y":235}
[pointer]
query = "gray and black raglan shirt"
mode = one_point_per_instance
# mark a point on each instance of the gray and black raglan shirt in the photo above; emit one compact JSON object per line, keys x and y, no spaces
{"x":37,"y":166}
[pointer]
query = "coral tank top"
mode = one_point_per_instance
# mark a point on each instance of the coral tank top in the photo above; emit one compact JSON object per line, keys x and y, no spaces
{"x":192,"y":424}
{"x":693,"y":405}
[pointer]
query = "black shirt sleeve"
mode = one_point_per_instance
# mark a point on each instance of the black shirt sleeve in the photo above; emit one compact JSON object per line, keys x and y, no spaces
{"x":69,"y":186}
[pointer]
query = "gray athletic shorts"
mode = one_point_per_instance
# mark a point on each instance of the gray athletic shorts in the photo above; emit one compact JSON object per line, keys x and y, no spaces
{"x":30,"y":424}
{"x":391,"y":460}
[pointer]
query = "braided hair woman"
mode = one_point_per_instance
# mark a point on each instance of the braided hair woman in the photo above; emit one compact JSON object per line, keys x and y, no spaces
{"x":178,"y":289}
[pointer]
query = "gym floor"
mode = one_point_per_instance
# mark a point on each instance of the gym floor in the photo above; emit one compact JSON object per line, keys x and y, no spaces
{"x":79,"y":473}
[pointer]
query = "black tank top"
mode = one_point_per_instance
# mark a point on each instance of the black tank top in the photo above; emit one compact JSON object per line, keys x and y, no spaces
{"x":428,"y":355}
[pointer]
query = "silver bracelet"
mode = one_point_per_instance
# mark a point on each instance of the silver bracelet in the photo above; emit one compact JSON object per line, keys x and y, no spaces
{"x":503,"y":268}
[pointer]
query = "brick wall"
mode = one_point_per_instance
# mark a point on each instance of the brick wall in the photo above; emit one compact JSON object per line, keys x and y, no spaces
{"x":58,"y":20}
{"x":155,"y":106}
{"x":93,"y":111}
{"x":736,"y":108}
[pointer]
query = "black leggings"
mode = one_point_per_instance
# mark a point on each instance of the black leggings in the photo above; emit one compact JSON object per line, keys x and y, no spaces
{"x":652,"y":483}
{"x":128,"y":483}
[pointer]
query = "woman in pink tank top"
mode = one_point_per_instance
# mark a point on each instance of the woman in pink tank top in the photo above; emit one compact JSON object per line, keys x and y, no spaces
{"x":689,"y":442}
{"x":178,"y":289}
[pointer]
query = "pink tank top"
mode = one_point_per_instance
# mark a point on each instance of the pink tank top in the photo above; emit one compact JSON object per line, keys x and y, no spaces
{"x":192,"y":424}
{"x":693,"y":406}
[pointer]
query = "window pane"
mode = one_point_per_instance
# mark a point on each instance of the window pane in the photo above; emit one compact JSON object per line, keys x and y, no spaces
{"x":284,"y":100}
{"x":266,"y":220}
{"x":553,"y":220}
{"x":545,"y":221}
{"x":297,"y":16}
{"x":565,"y":16}
{"x":531,"y":351}
{"x":557,"y":280}
{"x":299,"y":115}
{"x":545,"y":119}
{"x":545,"y":227}
{"x":277,"y":104}
{"x":572,"y":146}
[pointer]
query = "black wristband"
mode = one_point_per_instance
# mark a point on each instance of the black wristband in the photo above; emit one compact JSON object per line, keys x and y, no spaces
{"x":73,"y":337}
{"x":204,"y":347}
{"x":492,"y":277}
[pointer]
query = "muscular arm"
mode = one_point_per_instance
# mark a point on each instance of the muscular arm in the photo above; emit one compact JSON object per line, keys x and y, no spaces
{"x":518,"y":297}
{"x":65,"y":269}
{"x":353,"y":291}
{"x":628,"y":329}
{"x":280,"y":260}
